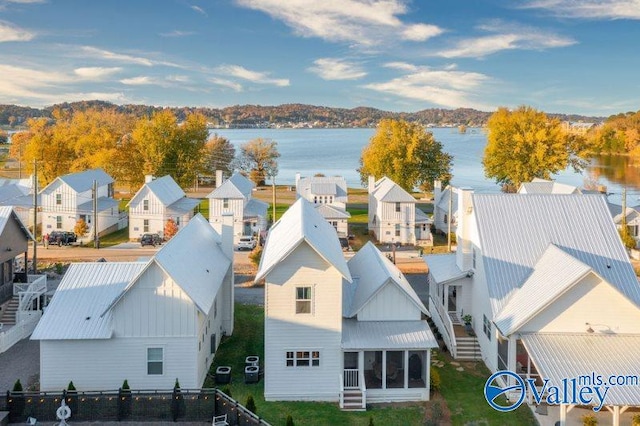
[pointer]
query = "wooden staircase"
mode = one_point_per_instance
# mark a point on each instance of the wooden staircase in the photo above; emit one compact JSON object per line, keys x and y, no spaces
{"x":9,"y":312}
{"x":353,"y":400}
{"x":468,"y":348}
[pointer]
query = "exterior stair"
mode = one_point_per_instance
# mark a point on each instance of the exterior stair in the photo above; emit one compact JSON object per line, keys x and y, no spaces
{"x":9,"y":312}
{"x":468,"y":348}
{"x":353,"y":400}
{"x":455,"y":320}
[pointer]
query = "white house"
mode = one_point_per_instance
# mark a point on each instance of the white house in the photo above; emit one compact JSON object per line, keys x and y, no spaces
{"x":155,"y":203}
{"x":544,"y":186}
{"x":235,"y":195}
{"x":70,"y":198}
{"x":445,"y":207}
{"x":393,"y":215}
{"x":632,"y":219}
{"x":335,"y":330}
{"x":330,"y":196}
{"x":550,"y":297}
{"x":147,"y":322}
{"x":18,"y":193}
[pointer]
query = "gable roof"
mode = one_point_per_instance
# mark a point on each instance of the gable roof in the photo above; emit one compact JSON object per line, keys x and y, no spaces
{"x":6,"y":214}
{"x":237,"y":186}
{"x":332,"y":212}
{"x":302,"y":223}
{"x":443,"y":268}
{"x":322,"y":185}
{"x":83,"y":181}
{"x":76,"y":309}
{"x":372,"y":272}
{"x":616,"y":212}
{"x":255,"y":208}
{"x":195,"y":262}
{"x":164,"y":188}
{"x":443,"y":201}
{"x":515,"y":230}
{"x":555,"y":272}
{"x":387,"y":191}
{"x":544,"y":186}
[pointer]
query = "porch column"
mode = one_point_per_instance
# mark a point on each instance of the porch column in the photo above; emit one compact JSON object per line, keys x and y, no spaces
{"x":445,"y":297}
{"x":616,"y":415}
{"x":511,"y":358}
{"x":384,"y":369}
{"x":360,"y":368}
{"x":406,"y":369}
{"x":528,"y":377}
{"x":563,"y":415}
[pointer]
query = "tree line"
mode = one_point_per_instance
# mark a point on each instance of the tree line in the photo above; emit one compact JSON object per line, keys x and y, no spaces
{"x":128,"y":148}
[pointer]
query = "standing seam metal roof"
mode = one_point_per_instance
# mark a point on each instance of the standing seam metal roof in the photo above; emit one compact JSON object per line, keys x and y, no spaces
{"x":83,"y":181}
{"x":386,"y":190}
{"x":6,"y":212}
{"x":381,"y":335}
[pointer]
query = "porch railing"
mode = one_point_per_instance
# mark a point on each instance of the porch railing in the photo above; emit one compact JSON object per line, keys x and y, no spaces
{"x":35,"y":286}
{"x":12,"y":335}
{"x":447,"y":327}
{"x":363,"y":388}
{"x":351,"y":378}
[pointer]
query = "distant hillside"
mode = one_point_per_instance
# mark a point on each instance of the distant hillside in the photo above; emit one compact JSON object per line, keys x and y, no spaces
{"x":287,"y":115}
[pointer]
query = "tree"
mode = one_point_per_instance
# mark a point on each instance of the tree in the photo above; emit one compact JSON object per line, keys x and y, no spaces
{"x":218,"y":154}
{"x":81,"y":228}
{"x":524,"y":144}
{"x":258,"y":158}
{"x":170,"y":229}
{"x":405,"y":153}
{"x":4,"y":137}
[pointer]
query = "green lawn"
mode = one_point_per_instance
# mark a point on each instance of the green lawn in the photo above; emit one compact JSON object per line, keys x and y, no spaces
{"x":115,"y":238}
{"x":359,"y":214}
{"x":463,"y":391}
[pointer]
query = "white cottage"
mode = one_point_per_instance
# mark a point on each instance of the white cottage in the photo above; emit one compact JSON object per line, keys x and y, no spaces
{"x":235,"y":195}
{"x":393,"y":215}
{"x":155,"y":203}
{"x":631,"y":219}
{"x":147,"y":322}
{"x":550,"y":297}
{"x":330,"y":196}
{"x":335,"y":330}
{"x":445,"y":208}
{"x":70,"y":198}
{"x":18,"y":193}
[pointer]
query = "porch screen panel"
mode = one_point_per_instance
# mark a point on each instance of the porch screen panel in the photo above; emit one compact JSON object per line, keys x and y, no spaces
{"x":395,"y":369}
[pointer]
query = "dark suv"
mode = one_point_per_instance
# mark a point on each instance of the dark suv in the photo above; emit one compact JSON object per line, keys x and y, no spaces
{"x":150,"y":240}
{"x":62,"y":238}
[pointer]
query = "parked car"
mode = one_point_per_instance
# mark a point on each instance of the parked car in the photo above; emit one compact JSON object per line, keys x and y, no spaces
{"x":150,"y":240}
{"x":246,"y":243}
{"x":62,"y":238}
{"x":344,"y":243}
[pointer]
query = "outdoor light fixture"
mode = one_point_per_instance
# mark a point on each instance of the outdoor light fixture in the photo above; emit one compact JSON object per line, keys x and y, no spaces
{"x":589,"y":329}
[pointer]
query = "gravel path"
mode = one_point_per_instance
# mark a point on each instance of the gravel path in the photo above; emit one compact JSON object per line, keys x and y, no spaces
{"x":21,"y":361}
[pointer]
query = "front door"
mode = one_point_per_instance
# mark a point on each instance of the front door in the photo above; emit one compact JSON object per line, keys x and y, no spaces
{"x":351,"y":370}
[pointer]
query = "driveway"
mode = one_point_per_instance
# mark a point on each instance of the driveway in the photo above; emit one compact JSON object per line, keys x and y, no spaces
{"x":22,"y":362}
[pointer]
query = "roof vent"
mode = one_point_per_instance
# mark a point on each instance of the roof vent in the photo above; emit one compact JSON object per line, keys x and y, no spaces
{"x":87,"y":318}
{"x":608,"y":266}
{"x":207,"y":270}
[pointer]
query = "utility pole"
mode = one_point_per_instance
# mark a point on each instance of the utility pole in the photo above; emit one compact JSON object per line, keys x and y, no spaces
{"x":94,"y":193}
{"x":449,"y":219}
{"x":273,"y":187}
{"x":35,"y":218}
{"x":624,"y":209}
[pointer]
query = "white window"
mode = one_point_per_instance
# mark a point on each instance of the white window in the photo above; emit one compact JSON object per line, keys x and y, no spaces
{"x":397,"y":230}
{"x":303,"y":358}
{"x":303,"y":300}
{"x":145,"y":225}
{"x":145,"y":205}
{"x":58,"y":199}
{"x":178,"y":220}
{"x":225,"y":203}
{"x":486,"y":326}
{"x":155,"y":361}
{"x":58,"y":222}
{"x":397,"y":207}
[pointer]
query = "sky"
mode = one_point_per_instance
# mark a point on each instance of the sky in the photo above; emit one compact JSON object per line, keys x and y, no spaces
{"x":568,"y":56}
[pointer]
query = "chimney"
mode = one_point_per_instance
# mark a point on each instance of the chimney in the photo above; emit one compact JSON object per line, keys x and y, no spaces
{"x":226,"y":237}
{"x":437,"y":192}
{"x":148,"y":178}
{"x":463,"y":231}
{"x":297,"y":179}
{"x":219,"y":179}
{"x":372,"y":183}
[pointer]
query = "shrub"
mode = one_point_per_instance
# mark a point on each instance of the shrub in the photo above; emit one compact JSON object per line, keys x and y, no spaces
{"x":125,"y":385}
{"x":71,"y":387}
{"x":170,"y":229}
{"x":289,"y":420}
{"x":59,"y":268}
{"x":589,"y":420}
{"x":255,"y":256}
{"x":635,"y":420}
{"x":434,"y":379}
{"x":251,"y":404}
{"x":17,"y":386}
{"x":17,"y":407}
{"x":370,"y":421}
{"x":178,"y":406}
{"x":227,"y":390}
{"x":626,"y":238}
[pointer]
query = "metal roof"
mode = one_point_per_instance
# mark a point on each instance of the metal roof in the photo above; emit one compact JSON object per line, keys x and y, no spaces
{"x":443,"y":268}
{"x":422,"y":216}
{"x":6,"y":212}
{"x":616,"y":212}
{"x":226,"y":190}
{"x":388,"y":191}
{"x":554,"y":274}
{"x":164,"y":188}
{"x":374,"y":271}
{"x":83,"y":181}
{"x":515,"y":230}
{"x":565,"y":356}
{"x":387,"y":335}
{"x":322,"y":185}
{"x":302,"y":223}
{"x":12,"y":191}
{"x":104,"y":203}
{"x":332,"y":212}
{"x":255,"y":208}
{"x":76,"y":309}
{"x":543,"y":186}
{"x":183,"y":205}
{"x":443,"y":201}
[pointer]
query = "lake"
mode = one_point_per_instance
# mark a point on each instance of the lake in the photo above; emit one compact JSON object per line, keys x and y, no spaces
{"x":337,"y":152}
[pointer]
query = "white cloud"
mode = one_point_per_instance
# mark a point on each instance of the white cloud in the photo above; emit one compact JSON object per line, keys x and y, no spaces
{"x":589,"y":9}
{"x":226,"y":83}
{"x":199,"y":10}
{"x":177,"y":33}
{"x":96,"y":73}
{"x":178,"y":78}
{"x":337,"y":69}
{"x":366,"y":23}
{"x":142,"y":80}
{"x":448,"y":88}
{"x":10,"y":32}
{"x":505,"y":37}
{"x":95,"y":52}
{"x":253,"y":76}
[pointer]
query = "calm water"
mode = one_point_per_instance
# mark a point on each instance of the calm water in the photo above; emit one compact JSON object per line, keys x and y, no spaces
{"x":337,"y":152}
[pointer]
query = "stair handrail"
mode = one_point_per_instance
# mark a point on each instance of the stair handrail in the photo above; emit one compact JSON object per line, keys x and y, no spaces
{"x":363,"y":389}
{"x":36,"y":288}
{"x":341,"y":378}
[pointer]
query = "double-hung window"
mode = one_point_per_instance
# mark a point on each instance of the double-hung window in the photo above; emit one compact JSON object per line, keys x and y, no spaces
{"x":303,"y":358}
{"x":486,"y":326}
{"x":303,"y":300}
{"x":155,"y":361}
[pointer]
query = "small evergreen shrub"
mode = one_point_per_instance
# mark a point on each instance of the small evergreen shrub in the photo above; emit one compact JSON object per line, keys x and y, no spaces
{"x":251,"y":404}
{"x":434,"y":379}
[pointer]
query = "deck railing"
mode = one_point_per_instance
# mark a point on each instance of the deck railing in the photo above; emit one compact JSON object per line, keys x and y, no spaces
{"x":27,"y":292}
{"x":448,"y":332}
{"x":9,"y":336}
{"x":351,"y":377}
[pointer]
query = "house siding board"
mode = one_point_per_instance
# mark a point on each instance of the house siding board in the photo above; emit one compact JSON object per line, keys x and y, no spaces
{"x":105,"y":364}
{"x":389,"y":304}
{"x":12,"y":235}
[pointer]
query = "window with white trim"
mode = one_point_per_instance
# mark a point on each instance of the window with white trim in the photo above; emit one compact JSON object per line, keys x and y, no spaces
{"x":145,"y":225}
{"x":303,"y":300}
{"x":225,"y":203}
{"x":155,"y":361}
{"x":58,"y":222}
{"x":303,"y":358}
{"x":397,"y":207}
{"x":58,"y":199}
{"x":397,"y":229}
{"x":145,"y":205}
{"x":486,"y":326}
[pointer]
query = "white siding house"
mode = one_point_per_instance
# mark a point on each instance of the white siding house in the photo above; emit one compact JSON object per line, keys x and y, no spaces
{"x":155,"y":203}
{"x":631,"y":219}
{"x":393,"y":215}
{"x":445,"y":208}
{"x":332,"y":327}
{"x":69,"y":198}
{"x":330,"y":196}
{"x":18,"y":193}
{"x":146,"y":322}
{"x":541,"y":286}
{"x":235,"y":195}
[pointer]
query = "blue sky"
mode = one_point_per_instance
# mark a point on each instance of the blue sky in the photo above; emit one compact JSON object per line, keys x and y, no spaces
{"x":573,"y":56}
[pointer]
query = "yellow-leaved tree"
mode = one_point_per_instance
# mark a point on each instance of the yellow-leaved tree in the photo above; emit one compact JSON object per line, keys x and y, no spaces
{"x":406,"y":153}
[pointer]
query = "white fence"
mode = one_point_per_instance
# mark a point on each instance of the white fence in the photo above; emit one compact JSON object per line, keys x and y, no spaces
{"x":12,"y":335}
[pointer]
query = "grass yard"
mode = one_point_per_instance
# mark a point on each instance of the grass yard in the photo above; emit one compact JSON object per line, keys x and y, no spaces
{"x":115,"y":238}
{"x":463,"y":391}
